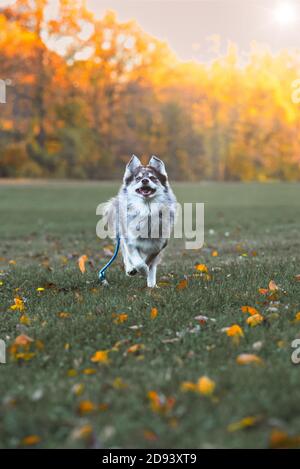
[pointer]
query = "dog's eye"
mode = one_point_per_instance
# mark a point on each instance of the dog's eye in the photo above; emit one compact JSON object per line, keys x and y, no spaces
{"x":138,"y":178}
{"x":153,"y":178}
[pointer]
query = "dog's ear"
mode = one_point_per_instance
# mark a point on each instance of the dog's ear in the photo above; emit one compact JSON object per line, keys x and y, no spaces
{"x":131,"y":166}
{"x":157,"y":164}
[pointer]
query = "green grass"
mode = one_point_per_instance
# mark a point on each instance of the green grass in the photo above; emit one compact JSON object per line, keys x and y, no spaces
{"x":45,"y":227}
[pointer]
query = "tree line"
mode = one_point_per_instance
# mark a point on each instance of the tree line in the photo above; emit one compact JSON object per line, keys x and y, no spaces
{"x":83,"y":94}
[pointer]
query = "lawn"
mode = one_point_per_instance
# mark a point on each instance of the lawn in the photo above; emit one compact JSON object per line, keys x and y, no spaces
{"x":132,"y":394}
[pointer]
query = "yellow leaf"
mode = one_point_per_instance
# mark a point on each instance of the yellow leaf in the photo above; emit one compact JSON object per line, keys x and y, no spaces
{"x":297,"y":317}
{"x":40,"y":289}
{"x":81,"y":263}
{"x":19,"y":304}
{"x":246,"y":422}
{"x":24,"y":319}
{"x":154,"y":313}
{"x":118,"y":383}
{"x":64,"y":315}
{"x":255,"y":320}
{"x":89,"y":371}
{"x":72,"y":373}
{"x":201,"y":268}
{"x":101,"y":356}
{"x":214,"y":253}
{"x":188,"y":386}
{"x":30,"y":440}
{"x":248,"y":358}
{"x":205,"y":386}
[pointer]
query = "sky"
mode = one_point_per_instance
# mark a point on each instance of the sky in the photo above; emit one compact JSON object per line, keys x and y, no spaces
{"x":187,"y":25}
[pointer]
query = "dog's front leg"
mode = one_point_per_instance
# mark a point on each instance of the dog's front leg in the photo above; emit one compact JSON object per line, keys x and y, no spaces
{"x":134,"y":262}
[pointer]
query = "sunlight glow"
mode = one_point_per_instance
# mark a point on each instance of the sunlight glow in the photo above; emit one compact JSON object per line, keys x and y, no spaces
{"x":285,"y":14}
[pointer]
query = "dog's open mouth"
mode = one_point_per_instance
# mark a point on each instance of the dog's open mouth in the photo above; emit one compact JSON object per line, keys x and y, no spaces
{"x":146,"y":191}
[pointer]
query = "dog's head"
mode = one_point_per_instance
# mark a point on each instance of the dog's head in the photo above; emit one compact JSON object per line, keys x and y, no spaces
{"x":145,"y":181}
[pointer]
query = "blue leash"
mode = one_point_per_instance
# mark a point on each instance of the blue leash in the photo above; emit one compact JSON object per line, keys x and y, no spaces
{"x":102,"y":271}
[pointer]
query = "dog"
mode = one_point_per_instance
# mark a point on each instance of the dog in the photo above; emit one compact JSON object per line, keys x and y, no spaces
{"x":142,"y":216}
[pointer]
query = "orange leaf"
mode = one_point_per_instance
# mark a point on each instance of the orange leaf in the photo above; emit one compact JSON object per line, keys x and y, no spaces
{"x":201,"y":267}
{"x":182,"y":284}
{"x":30,"y":440}
{"x":154,"y":313}
{"x":249,"y":309}
{"x":248,"y":358}
{"x":81,"y":263}
{"x":101,"y":356}
{"x":280,"y":439}
{"x":86,"y":407}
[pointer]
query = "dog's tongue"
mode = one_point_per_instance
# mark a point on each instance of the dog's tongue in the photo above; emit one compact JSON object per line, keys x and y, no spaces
{"x":146,"y":190}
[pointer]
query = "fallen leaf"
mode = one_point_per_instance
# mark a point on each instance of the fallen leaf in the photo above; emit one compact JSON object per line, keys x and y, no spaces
{"x":89,"y":371}
{"x":280,"y":439}
{"x":235,"y":332}
{"x":86,"y":407}
{"x":160,"y":403}
{"x":255,"y":320}
{"x":82,"y":433}
{"x":153,"y":313}
{"x":118,"y":383}
{"x":215,"y":253}
{"x":246,"y":422}
{"x":23,"y":340}
{"x":81,"y":263}
{"x":149,"y":435}
{"x":30,"y":440}
{"x":18,"y":304}
{"x":248,"y":358}
{"x":101,"y":356}
{"x":64,"y":315}
{"x":182,"y":284}
{"x":24,"y":320}
{"x":201,"y":268}
{"x":206,"y":386}
{"x":135,"y":348}
{"x":273,"y":286}
{"x":121,"y":318}
{"x":249,"y":309}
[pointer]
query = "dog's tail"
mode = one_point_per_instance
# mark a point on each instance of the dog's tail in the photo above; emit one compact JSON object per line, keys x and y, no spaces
{"x":111,"y":216}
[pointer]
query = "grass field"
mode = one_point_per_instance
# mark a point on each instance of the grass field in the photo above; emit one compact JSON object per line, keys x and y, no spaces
{"x":53,"y":395}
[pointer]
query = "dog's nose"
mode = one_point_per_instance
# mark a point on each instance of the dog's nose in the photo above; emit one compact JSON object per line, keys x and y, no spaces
{"x":145,"y":181}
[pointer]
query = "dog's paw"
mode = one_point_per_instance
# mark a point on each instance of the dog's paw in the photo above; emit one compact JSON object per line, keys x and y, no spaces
{"x":131,"y":272}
